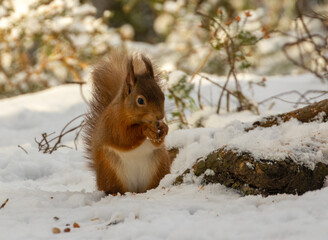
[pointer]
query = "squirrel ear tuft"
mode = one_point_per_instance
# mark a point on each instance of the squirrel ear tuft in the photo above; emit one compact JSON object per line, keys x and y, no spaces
{"x":148,"y":64}
{"x":130,"y":78}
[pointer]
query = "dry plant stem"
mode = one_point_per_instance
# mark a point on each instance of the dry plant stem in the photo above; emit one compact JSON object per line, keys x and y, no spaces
{"x":283,"y":94}
{"x":215,"y":83}
{"x":201,"y":65}
{"x":81,"y":90}
{"x":222,"y":92}
{"x":238,"y":87}
{"x":4,"y":204}
{"x":199,"y":94}
{"x":309,"y":38}
{"x":78,"y":134}
{"x":302,"y":65}
{"x":301,"y":97}
{"x":290,"y":102}
{"x":82,"y":94}
{"x":22,"y":149}
{"x":177,"y":99}
{"x":44,"y":144}
{"x":322,"y":93}
{"x":218,"y":85}
{"x":218,"y":23}
{"x":230,"y":48}
{"x":62,"y":133}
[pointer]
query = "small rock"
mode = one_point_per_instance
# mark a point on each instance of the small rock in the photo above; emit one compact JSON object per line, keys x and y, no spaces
{"x":56,"y":230}
{"x":76,"y":225}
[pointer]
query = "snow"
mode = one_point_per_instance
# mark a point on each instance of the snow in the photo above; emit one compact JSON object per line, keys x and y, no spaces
{"x":41,"y":186}
{"x":306,"y":143}
{"x":175,"y":77}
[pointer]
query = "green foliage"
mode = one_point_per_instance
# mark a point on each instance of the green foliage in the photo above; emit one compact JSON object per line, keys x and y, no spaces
{"x":180,"y":92}
{"x":246,"y":38}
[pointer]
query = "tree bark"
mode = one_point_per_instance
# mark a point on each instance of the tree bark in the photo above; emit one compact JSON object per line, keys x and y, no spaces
{"x":242,"y":172}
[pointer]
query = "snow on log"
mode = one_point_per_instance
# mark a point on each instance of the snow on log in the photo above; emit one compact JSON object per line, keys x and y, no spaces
{"x":307,"y":114}
{"x":242,"y":171}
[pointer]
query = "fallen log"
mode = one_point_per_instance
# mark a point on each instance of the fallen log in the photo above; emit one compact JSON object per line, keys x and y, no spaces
{"x":309,"y":113}
{"x":239,"y":170}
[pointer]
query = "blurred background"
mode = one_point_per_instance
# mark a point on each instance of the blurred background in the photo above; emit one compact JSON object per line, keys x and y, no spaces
{"x":44,"y":43}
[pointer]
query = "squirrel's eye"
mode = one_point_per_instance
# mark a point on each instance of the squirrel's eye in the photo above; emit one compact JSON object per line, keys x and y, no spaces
{"x":141,"y":101}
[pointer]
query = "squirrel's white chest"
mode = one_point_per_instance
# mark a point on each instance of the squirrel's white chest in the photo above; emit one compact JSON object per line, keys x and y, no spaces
{"x":136,"y":168}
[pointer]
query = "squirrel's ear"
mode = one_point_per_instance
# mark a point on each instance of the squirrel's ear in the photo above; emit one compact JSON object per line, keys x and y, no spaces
{"x":148,"y":64}
{"x":130,"y":78}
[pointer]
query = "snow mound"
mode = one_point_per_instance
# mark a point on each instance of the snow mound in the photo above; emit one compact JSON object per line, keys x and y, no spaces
{"x":305,"y":143}
{"x":48,"y":191}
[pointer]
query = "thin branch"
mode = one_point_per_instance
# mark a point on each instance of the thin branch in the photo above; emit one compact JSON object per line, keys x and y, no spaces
{"x":200,"y":67}
{"x":22,"y":149}
{"x":44,"y":144}
{"x":218,"y":85}
{"x":308,"y":59}
{"x":222,"y":92}
{"x":4,"y":204}
{"x":218,"y":23}
{"x":81,"y":90}
{"x":199,"y":94}
{"x":282,"y":94}
{"x":176,"y":101}
{"x":306,"y":100}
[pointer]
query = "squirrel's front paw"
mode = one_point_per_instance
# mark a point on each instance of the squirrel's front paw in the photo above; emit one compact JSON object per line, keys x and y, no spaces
{"x":162,"y":130}
{"x":156,"y":134}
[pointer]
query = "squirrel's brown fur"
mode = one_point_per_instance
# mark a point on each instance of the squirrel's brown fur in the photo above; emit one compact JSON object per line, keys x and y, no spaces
{"x":124,"y":135}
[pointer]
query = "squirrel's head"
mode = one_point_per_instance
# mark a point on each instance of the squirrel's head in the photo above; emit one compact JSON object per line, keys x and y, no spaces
{"x":143,"y":98}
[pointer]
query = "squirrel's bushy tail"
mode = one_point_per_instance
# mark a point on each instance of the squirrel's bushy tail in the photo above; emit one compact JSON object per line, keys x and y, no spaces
{"x":108,"y":76}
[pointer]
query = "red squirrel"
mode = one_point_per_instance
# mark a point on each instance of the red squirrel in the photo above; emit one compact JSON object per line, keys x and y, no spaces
{"x":125,"y":132}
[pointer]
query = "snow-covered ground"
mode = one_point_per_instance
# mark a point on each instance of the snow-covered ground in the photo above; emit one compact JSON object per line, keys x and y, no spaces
{"x":51,"y":191}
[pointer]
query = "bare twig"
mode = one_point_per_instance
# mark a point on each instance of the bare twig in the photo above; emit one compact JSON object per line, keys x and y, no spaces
{"x":215,"y":83}
{"x":44,"y":144}
{"x":178,"y":101}
{"x":201,"y":65}
{"x":228,"y":102}
{"x":283,"y":94}
{"x":4,"y":204}
{"x":80,"y":83}
{"x":314,"y":60}
{"x":302,"y":96}
{"x":199,"y":94}
{"x":222,"y":92}
{"x":22,"y":149}
{"x":231,"y":45}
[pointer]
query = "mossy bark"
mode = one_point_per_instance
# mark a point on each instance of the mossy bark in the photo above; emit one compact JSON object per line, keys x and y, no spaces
{"x":242,"y":172}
